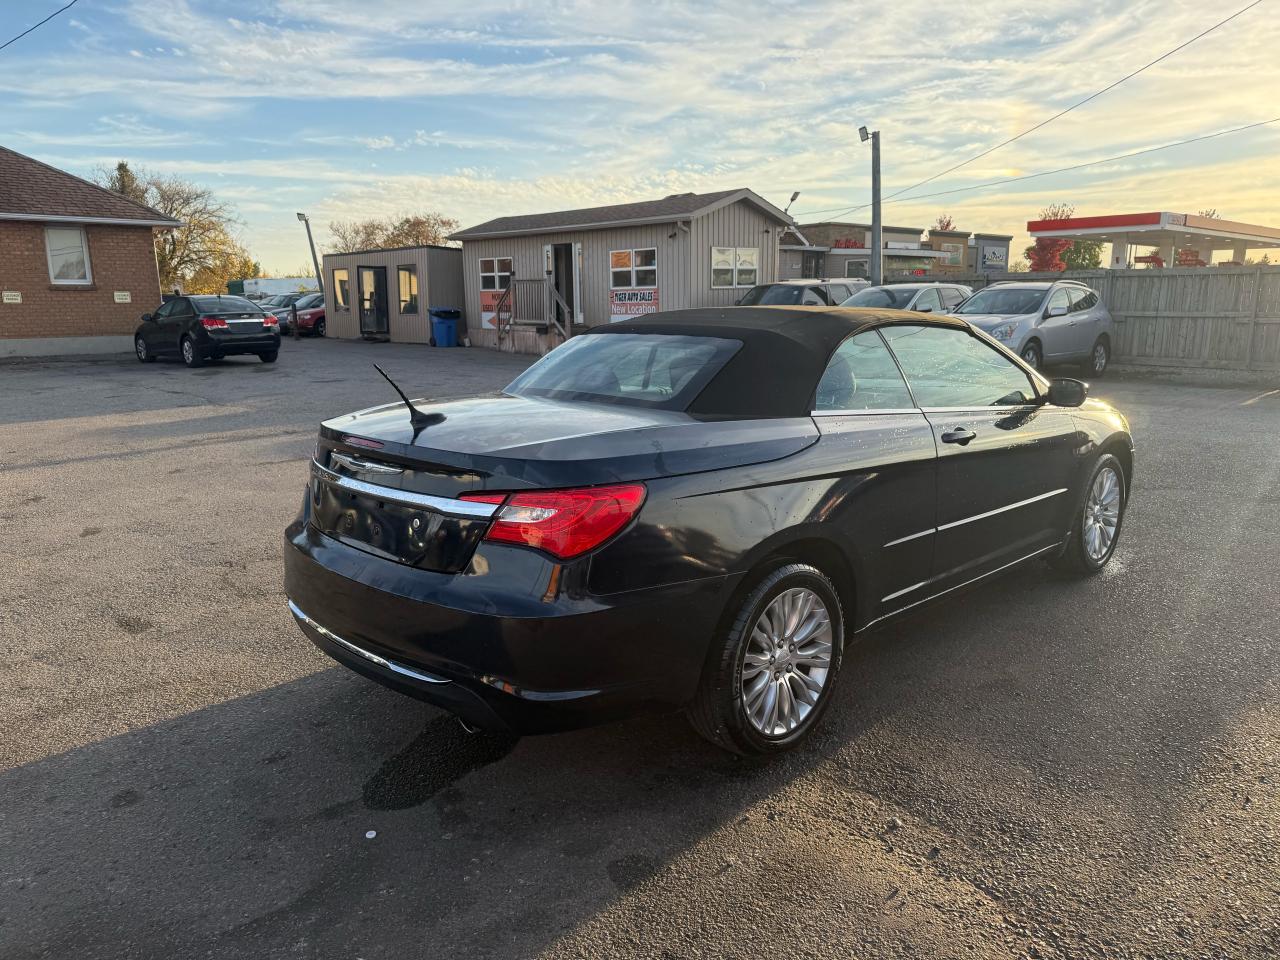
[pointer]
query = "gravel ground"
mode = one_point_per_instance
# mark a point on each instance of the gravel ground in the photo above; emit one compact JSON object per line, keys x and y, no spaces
{"x":1043,"y":767}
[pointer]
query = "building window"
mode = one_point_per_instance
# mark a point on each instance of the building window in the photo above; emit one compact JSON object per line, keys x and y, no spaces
{"x":495,"y":274}
{"x":855,"y":268}
{"x":68,"y":252}
{"x":408,"y":276}
{"x":735,"y":266}
{"x":341,"y":292}
{"x":633,"y":268}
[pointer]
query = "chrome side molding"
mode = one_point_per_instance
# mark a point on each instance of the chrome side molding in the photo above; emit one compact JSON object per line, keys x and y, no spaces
{"x":361,"y":651}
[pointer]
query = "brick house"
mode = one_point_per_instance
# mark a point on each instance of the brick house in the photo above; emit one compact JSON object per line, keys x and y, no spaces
{"x":77,"y":262}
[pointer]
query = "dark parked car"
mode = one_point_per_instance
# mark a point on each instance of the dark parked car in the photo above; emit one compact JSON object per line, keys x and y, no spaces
{"x":801,"y":293}
{"x":697,"y":510}
{"x":199,"y":328}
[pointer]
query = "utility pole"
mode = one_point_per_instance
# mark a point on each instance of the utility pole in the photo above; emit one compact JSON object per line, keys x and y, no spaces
{"x":315,"y":261}
{"x":877,"y":228}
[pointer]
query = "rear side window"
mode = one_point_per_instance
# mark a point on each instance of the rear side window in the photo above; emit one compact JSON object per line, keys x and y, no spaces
{"x":1083,"y":299}
{"x":862,"y":376}
{"x":951,"y":297}
{"x":649,"y":370}
{"x":947,"y":367}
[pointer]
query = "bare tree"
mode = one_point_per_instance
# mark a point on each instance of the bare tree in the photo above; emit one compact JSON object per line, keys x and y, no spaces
{"x":944,"y":222}
{"x":409,"y":230}
{"x":202,"y":254}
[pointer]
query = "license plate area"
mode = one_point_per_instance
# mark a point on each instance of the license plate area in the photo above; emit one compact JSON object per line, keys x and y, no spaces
{"x":413,"y":534}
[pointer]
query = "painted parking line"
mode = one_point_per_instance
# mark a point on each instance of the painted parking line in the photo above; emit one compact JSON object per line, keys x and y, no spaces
{"x":1262,"y":396}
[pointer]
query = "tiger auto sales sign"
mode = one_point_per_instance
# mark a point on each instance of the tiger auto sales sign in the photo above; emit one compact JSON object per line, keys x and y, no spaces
{"x":633,"y":302}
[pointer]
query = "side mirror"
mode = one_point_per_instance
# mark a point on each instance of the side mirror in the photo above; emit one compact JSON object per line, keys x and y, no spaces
{"x":1055,"y":312}
{"x":924,"y":309}
{"x":1066,"y":392}
{"x":147,"y":318}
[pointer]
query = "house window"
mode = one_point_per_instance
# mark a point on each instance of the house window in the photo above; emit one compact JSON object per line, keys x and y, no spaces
{"x":495,"y":273}
{"x":633,"y":268}
{"x":68,"y":252}
{"x":855,"y":268}
{"x":341,"y":289}
{"x":408,"y":276}
{"x":735,"y":266}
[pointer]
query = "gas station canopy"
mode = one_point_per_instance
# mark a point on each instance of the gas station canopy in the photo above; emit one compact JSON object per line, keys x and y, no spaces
{"x":1179,"y":239}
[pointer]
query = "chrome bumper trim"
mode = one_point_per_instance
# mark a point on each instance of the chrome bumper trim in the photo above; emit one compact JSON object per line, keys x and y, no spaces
{"x":361,"y":651}
{"x":424,"y":501}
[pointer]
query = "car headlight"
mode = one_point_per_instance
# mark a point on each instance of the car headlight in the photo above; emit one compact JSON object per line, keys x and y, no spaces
{"x":1005,"y":330}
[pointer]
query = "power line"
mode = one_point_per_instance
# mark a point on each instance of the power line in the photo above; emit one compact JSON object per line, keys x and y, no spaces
{"x":40,"y":24}
{"x":1049,"y":120}
{"x":1077,"y":166}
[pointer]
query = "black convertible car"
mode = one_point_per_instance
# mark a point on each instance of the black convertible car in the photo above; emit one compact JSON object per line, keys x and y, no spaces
{"x":693,"y":510}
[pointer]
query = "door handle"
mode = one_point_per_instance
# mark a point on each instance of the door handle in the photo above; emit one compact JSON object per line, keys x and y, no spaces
{"x":960,"y":435}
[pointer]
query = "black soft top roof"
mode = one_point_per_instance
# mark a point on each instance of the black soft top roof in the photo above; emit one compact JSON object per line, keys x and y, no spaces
{"x":784,"y":351}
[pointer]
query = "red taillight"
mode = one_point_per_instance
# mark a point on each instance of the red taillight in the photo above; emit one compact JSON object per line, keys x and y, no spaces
{"x":270,"y":321}
{"x":564,"y":523}
{"x":213,"y":323}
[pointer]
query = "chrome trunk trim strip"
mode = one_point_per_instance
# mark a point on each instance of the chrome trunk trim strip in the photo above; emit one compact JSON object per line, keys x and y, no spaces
{"x":424,"y":501}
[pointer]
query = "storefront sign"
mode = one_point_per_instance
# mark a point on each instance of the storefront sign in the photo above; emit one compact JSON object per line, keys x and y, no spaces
{"x":124,"y":296}
{"x":954,"y":254}
{"x":12,"y":296}
{"x":632,"y":303}
{"x":994,"y":258}
{"x":489,"y":307}
{"x":848,"y":243}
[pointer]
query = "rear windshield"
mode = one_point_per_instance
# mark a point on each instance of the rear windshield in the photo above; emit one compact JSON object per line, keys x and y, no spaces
{"x":214,"y":305}
{"x":773,"y":295}
{"x":896,"y":298}
{"x":1003,"y":301}
{"x":647,"y":370}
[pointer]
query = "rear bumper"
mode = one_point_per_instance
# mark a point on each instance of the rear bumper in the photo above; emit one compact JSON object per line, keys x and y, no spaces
{"x":233,"y":345}
{"x":511,"y":649}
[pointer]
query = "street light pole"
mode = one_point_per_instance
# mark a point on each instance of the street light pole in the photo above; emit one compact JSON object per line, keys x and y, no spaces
{"x":877,"y":228}
{"x":315,"y":261}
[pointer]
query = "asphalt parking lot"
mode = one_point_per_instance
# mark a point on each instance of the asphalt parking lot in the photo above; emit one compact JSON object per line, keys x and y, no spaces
{"x":1042,"y":767}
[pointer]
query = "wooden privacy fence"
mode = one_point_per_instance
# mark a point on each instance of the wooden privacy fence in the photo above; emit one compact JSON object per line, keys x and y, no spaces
{"x":1225,"y":318}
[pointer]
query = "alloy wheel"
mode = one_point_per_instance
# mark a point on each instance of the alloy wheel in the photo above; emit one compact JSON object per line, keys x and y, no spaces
{"x":1099,"y":358}
{"x":1102,"y":514}
{"x":1031,"y":357}
{"x":787,"y":661}
{"x":188,"y":352}
{"x":140,"y":347}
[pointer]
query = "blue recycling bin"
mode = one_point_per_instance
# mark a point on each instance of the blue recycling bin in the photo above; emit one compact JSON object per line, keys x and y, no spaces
{"x":444,"y":326}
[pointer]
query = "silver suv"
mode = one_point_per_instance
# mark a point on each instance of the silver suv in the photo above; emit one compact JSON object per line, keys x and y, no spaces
{"x":1045,"y":321}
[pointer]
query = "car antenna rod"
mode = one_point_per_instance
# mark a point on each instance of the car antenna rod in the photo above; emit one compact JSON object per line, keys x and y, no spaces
{"x":417,"y":417}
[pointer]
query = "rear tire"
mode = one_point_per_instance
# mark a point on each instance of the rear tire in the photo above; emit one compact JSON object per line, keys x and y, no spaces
{"x":1099,"y":359}
{"x":191,"y":354}
{"x":1032,"y":355}
{"x":768,"y":680}
{"x":1098,"y":520}
{"x":269,"y":356}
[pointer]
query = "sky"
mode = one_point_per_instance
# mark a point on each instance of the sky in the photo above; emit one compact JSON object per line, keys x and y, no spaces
{"x":481,"y":109}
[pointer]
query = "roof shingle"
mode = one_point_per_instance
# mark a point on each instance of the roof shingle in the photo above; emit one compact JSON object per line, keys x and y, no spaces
{"x":30,"y":189}
{"x":675,"y":207}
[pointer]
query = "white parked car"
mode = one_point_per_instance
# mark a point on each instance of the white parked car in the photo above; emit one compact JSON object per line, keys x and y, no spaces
{"x":922,"y":297}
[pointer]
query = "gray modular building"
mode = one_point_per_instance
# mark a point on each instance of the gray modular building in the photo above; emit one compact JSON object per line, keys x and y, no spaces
{"x":385,"y":294}
{"x":531,"y":280}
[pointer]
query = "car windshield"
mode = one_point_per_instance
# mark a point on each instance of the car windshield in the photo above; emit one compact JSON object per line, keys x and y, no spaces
{"x":1003,"y":301}
{"x":773,"y":294}
{"x":215,"y":305}
{"x":273,"y":301}
{"x":896,"y":298}
{"x":661,"y":371}
{"x":310,"y":300}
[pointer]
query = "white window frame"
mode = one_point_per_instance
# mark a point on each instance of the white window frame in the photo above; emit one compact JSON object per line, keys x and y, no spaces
{"x":84,"y":245}
{"x":496,"y":273}
{"x":737,"y":281}
{"x":634,"y":269}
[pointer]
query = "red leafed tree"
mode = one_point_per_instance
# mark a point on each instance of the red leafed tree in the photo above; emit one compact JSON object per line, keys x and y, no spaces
{"x":1045,"y":255}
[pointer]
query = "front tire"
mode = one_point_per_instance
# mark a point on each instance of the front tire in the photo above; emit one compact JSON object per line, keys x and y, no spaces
{"x":1098,"y":520}
{"x":191,"y":354}
{"x":1032,"y":355}
{"x":140,"y":348}
{"x":768,"y":680}
{"x":318,"y":329}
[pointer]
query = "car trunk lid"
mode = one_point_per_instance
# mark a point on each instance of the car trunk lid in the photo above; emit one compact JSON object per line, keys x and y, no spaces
{"x":382,"y":486}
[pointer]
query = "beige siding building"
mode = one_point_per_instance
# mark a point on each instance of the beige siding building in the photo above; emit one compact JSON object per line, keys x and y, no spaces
{"x":385,"y":294}
{"x":531,"y":280}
